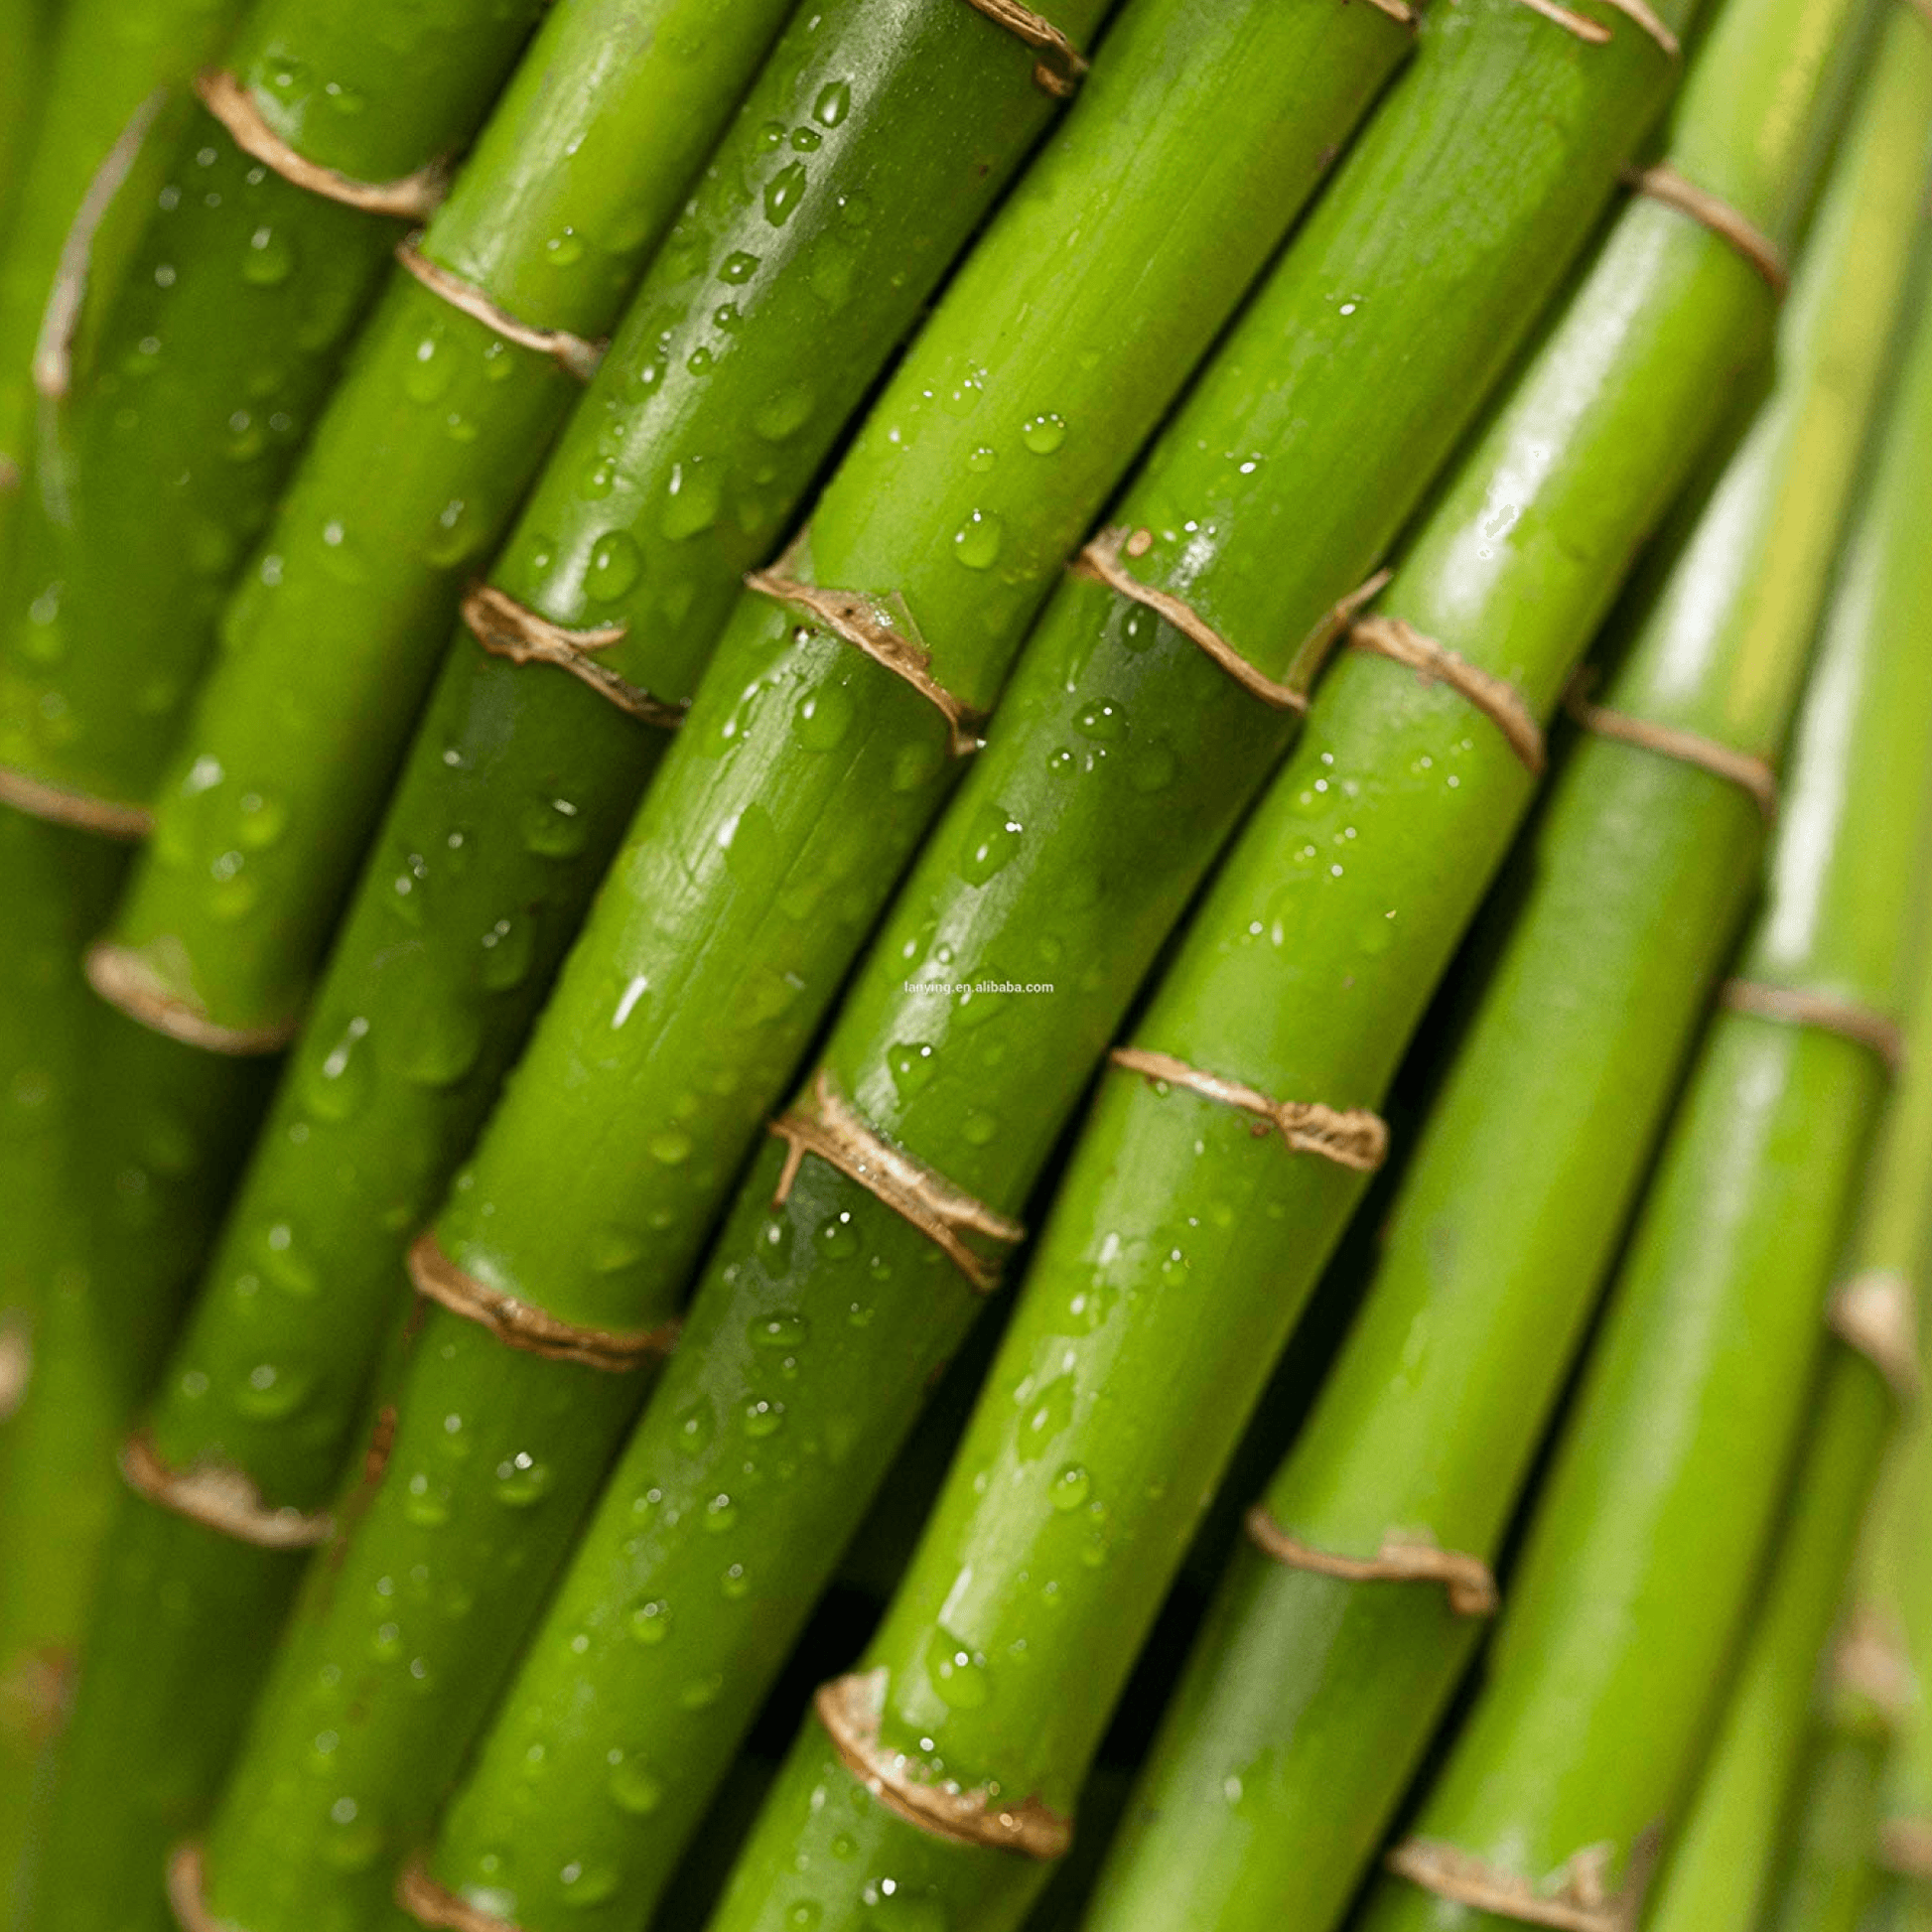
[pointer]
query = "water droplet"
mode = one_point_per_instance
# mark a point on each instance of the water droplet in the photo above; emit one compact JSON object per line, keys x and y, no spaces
{"x":1174,"y":1269}
{"x":914,"y":764}
{"x":460,"y":531}
{"x":553,"y":828}
{"x":976,"y":543}
{"x":509,"y":946}
{"x":692,"y":499}
{"x":784,"y":412}
{"x":738,"y":267}
{"x":670,"y":1147}
{"x":992,"y":840}
{"x":426,"y":1502}
{"x":1101,"y":720}
{"x":784,"y":1330}
{"x":445,"y":1044}
{"x":1047,"y":1414}
{"x":564,"y":250}
{"x":695,"y":1425}
{"x":761,"y":1417}
{"x":958,"y":1671}
{"x":806,"y":1915}
{"x":1153,"y":767}
{"x":1043,"y":434}
{"x":521,"y":1481}
{"x":261,"y":821}
{"x":272,"y":1394}
{"x":1071,"y":1487}
{"x":615,"y":563}
{"x":783,"y":192}
{"x":336,"y":1087}
{"x":584,"y":1884}
{"x":651,"y":1624}
{"x":701,"y":1692}
{"x":823,"y":716}
{"x":912,"y":1065}
{"x":980,"y":1128}
{"x":268,"y":260}
{"x":634,"y":1786}
{"x":838,"y":1239}
{"x":833,"y":102}
{"x":285,"y":1264}
{"x":612,"y":1246}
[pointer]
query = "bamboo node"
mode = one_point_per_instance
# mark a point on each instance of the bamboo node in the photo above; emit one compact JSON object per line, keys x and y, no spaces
{"x":188,"y":1892}
{"x":1589,"y":31}
{"x":1662,"y":182}
{"x":36,"y":1691}
{"x":1923,"y":8}
{"x":1101,"y":561}
{"x":872,"y":624}
{"x":849,"y":1708}
{"x":1435,"y":664}
{"x":1736,"y":768}
{"x":220,"y":1499}
{"x":507,"y":628}
{"x":1792,"y":1006}
{"x":412,"y":198}
{"x":1905,"y":1847}
{"x":61,"y":318}
{"x":824,"y":1124}
{"x":1579,"y":1902}
{"x":1877,"y":1314}
{"x":1868,"y":1662}
{"x":1403,"y":1559}
{"x":430,"y":1903}
{"x":575,"y":354}
{"x":125,"y":979}
{"x":1352,"y":1137}
{"x":1060,"y":65}
{"x":102,"y":816}
{"x":520,"y":1324}
{"x":16,"y":1363}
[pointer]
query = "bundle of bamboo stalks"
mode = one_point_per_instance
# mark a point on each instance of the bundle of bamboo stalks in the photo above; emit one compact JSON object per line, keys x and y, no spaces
{"x":967,"y":966}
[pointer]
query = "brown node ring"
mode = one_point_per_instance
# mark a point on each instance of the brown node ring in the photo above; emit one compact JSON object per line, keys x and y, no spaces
{"x":16,"y":1365}
{"x":1061,"y":63}
{"x":575,"y":354}
{"x":867,"y":625}
{"x":849,"y":1709}
{"x":219,"y":1498}
{"x":125,"y":979}
{"x":36,"y":1692}
{"x":1498,"y":700}
{"x":825,"y":1125}
{"x":1101,"y":561}
{"x":430,"y":1903}
{"x":186,"y":1891}
{"x":1662,"y":182}
{"x":507,"y":628}
{"x":1589,"y":30}
{"x":1905,"y":1847}
{"x":1877,"y":1314}
{"x":1791,"y":1006}
{"x":1351,"y":1138}
{"x":519,"y":1325}
{"x":55,"y":803}
{"x":1736,"y":768}
{"x":1581,"y":1904}
{"x":1467,"y":1579}
{"x":413,"y":197}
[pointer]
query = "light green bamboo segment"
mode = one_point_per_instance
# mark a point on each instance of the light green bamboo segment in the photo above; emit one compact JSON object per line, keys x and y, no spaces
{"x":1628,"y":1607}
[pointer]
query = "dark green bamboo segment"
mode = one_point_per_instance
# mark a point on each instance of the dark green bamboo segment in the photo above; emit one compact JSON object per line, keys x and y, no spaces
{"x":1311,"y":1697}
{"x":1627,"y":1605}
{"x":158,"y":472}
{"x":1832,"y":1881}
{"x":1048,"y":1554}
{"x":517,"y":792}
{"x":104,"y":60}
{"x":26,"y":31}
{"x":1069,"y":852}
{"x":415,"y":470}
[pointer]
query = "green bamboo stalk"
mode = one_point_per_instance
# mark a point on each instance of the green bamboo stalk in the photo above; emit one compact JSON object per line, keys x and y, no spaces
{"x":1831,"y":1882}
{"x":25,"y":30}
{"x":514,"y":797}
{"x":1311,"y":1697}
{"x":414,"y":472}
{"x":767,"y":1426}
{"x":156,"y":474}
{"x":1302,"y":82}
{"x":1627,"y":1605}
{"x":1117,"y":1398}
{"x":1723,"y":1870}
{"x":107,"y":58}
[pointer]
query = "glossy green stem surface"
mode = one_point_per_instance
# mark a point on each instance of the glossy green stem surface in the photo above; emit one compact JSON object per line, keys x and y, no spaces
{"x":1119,"y":761}
{"x":516,"y":793}
{"x":1628,"y":1608}
{"x":1116,"y":1397}
{"x":413,"y":474}
{"x":105,"y":58}
{"x":156,"y":476}
{"x":1310,"y":1699}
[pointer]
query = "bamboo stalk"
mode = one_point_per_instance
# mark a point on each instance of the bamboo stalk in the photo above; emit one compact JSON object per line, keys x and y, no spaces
{"x":160,"y":460}
{"x":767,"y":1428}
{"x":979,"y":1701}
{"x":104,"y":60}
{"x":415,"y":469}
{"x":1311,"y":1697}
{"x":1831,"y":1882}
{"x":274,"y":1847}
{"x":503,"y":834}
{"x":1627,"y":1605}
